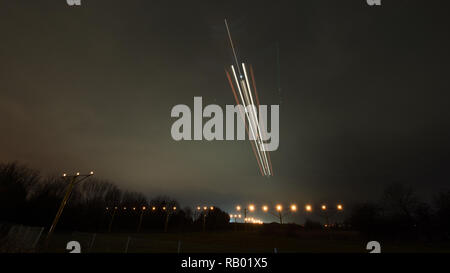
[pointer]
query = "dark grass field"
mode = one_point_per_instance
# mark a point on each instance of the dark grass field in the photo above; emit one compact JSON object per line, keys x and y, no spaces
{"x":233,"y":242}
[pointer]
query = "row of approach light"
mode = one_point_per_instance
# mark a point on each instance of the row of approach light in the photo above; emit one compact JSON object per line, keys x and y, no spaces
{"x":253,"y":220}
{"x":292,"y":208}
{"x":142,"y":208}
{"x":199,"y":208}
{"x":78,"y":174}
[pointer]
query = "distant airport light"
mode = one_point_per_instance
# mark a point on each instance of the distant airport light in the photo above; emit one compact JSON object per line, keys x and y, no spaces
{"x":251,"y":207}
{"x":340,"y":207}
{"x":324,"y":207}
{"x":211,"y":208}
{"x":279,"y":207}
{"x":293,"y":207}
{"x":308,"y":208}
{"x":238,"y":208}
{"x":265,"y":208}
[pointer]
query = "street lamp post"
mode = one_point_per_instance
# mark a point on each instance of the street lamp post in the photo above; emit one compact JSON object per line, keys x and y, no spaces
{"x":144,"y":208}
{"x":73,"y":181}
{"x":112,"y":219}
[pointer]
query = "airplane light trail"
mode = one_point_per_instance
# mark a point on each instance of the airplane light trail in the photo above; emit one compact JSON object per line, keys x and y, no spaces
{"x":246,"y":99}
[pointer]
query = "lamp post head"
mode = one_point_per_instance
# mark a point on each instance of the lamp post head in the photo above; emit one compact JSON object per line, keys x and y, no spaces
{"x":279,"y":208}
{"x":308,"y":208}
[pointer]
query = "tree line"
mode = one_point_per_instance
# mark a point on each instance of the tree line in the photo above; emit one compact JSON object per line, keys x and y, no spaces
{"x":27,"y":197}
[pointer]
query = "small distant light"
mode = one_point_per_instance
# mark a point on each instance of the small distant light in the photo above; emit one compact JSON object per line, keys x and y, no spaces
{"x":238,"y":208}
{"x":293,"y":207}
{"x":91,"y":173}
{"x":324,"y":207}
{"x":124,"y":208}
{"x":211,"y":208}
{"x":78,"y":173}
{"x":115,"y":207}
{"x":144,"y":208}
{"x":251,"y":207}
{"x":239,"y":216}
{"x":279,"y":207}
{"x":64,"y":174}
{"x":308,"y":208}
{"x":199,"y":208}
{"x":134,"y":208}
{"x":174,"y":208}
{"x":265,"y":208}
{"x":107,"y":208}
{"x":153,"y":208}
{"x":205,"y":208}
{"x":164,"y":208}
{"x":339,"y":207}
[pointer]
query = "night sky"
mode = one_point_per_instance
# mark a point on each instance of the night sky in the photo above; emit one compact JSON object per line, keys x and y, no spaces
{"x":364,"y":95}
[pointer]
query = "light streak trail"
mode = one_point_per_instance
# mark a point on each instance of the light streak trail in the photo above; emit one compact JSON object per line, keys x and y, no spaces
{"x":251,"y":126}
{"x":257,"y":102}
{"x":243,"y":118}
{"x":245,"y":94}
{"x":256,"y":118}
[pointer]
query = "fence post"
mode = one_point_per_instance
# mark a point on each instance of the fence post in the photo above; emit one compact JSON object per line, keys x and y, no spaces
{"x":92,"y":242}
{"x":37,"y":238}
{"x":128,"y":243}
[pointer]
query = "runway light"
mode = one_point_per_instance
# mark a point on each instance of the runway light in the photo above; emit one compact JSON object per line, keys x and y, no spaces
{"x":279,"y":207}
{"x":265,"y":208}
{"x":238,"y":208}
{"x":308,"y":208}
{"x":251,"y":207}
{"x":324,"y":207}
{"x":294,"y":207}
{"x":339,"y":207}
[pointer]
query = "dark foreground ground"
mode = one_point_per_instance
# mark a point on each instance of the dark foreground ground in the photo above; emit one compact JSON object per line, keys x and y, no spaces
{"x":232,"y":242}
